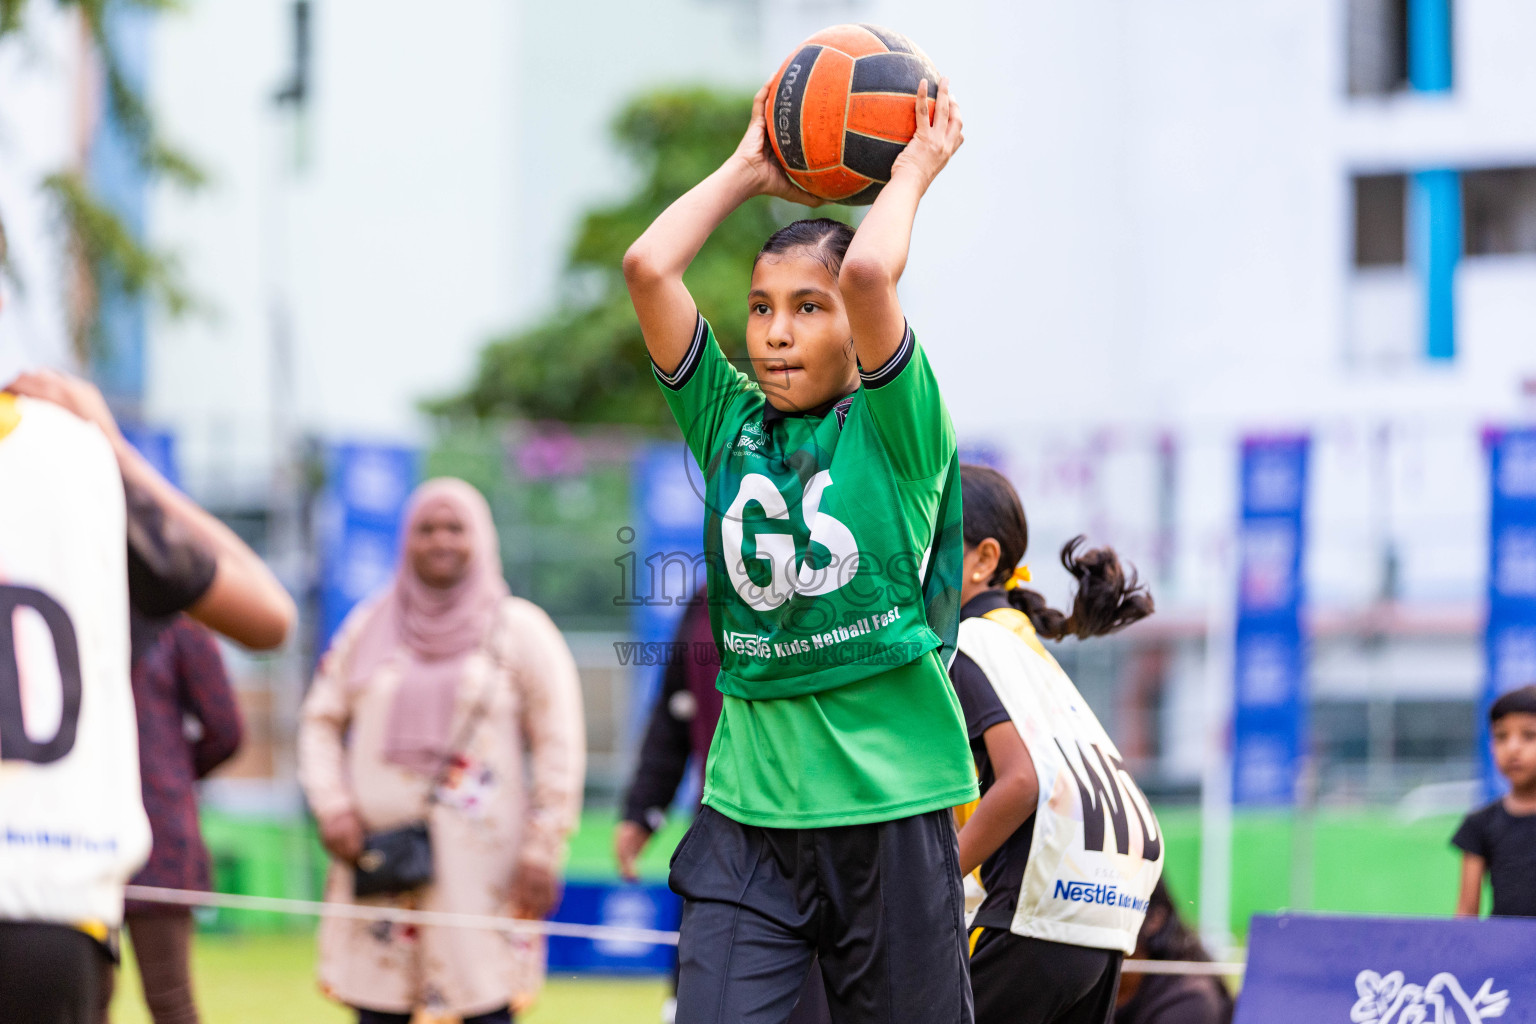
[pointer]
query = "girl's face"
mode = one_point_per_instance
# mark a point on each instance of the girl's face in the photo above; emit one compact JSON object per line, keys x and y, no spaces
{"x":439,"y":547}
{"x":797,"y":333}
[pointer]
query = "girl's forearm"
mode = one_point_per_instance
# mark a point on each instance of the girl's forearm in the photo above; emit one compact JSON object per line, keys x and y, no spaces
{"x":878,"y":253}
{"x":1005,"y":808}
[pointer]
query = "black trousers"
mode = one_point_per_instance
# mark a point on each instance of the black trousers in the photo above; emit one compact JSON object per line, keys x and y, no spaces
{"x":879,"y":905}
{"x":50,"y":974}
{"x":1018,"y":980}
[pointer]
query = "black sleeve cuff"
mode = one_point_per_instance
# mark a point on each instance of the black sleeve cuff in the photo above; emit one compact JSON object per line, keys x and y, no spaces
{"x":893,"y":366}
{"x":169,"y":570}
{"x":679,"y":378}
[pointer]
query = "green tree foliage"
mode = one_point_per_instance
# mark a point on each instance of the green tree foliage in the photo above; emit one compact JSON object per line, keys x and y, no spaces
{"x":586,"y":362}
{"x":113,"y":256}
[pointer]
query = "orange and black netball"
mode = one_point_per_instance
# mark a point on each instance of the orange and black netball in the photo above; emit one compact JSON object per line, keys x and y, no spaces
{"x":843,"y":109}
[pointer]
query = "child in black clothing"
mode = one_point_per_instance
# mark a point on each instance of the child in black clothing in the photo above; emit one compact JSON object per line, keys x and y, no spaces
{"x":1500,"y":839}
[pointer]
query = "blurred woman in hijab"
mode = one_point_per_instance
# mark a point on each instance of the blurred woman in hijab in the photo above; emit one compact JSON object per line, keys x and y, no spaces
{"x":433,"y":696}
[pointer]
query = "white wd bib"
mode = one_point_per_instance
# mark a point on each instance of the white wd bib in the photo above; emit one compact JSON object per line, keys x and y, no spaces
{"x":72,"y":824}
{"x":1097,"y":850}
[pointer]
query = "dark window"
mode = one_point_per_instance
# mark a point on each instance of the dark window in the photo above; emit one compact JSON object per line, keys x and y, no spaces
{"x":1435,"y":730}
{"x":1381,"y":217}
{"x":1341,"y":730}
{"x":1378,"y":47}
{"x":1499,"y":211}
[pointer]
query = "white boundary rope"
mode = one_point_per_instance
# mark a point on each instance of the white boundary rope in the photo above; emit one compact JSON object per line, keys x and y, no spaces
{"x":596,"y":932}
{"x":400,"y":915}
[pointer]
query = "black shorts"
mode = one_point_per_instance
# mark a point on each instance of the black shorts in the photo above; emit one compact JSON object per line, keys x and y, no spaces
{"x":51,"y":974}
{"x":1018,"y":980}
{"x":879,"y":905}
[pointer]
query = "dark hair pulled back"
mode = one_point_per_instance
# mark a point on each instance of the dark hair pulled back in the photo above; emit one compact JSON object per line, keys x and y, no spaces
{"x":1109,"y":597}
{"x":823,"y":239}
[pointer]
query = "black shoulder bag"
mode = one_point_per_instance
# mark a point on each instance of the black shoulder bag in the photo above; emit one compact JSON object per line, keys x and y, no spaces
{"x":400,"y":859}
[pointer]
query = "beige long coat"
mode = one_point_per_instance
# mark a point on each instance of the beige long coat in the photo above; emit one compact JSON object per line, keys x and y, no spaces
{"x":493,"y":816}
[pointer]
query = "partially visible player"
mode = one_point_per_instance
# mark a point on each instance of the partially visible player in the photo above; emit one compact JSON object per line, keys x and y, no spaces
{"x":1068,"y":847}
{"x":1499,"y":841}
{"x":833,"y":549}
{"x":72,"y":825}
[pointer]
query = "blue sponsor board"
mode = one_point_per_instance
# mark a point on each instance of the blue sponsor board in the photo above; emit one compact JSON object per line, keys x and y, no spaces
{"x":366,"y":489}
{"x":653,"y":907}
{"x":1269,"y":662}
{"x":1389,"y":971}
{"x":1511,"y":630}
{"x":665,"y":564}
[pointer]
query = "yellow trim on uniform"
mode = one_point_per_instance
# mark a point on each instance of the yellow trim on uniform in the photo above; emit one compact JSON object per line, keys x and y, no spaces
{"x":97,"y":930}
{"x":9,"y":414}
{"x":1018,"y":623}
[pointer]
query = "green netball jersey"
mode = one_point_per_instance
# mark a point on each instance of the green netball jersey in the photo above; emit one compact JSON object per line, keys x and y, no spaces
{"x":833,"y":546}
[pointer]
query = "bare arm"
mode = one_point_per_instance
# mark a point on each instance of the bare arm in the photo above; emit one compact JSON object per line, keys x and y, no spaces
{"x":654,"y":265}
{"x":1009,"y":801}
{"x":1470,"y":900}
{"x":878,"y":254}
{"x":245,"y":601}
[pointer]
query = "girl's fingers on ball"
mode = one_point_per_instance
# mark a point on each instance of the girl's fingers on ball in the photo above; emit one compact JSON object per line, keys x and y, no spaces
{"x":942,"y":114}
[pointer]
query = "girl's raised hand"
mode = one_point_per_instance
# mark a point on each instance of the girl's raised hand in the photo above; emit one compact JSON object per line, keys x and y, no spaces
{"x":756,"y":155}
{"x":939,"y":133}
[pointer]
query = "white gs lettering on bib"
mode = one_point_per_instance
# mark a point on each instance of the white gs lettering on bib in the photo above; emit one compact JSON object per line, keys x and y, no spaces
{"x":787,"y":576}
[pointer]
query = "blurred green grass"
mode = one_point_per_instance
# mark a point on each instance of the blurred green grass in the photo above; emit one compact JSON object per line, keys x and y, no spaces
{"x":261,"y":978}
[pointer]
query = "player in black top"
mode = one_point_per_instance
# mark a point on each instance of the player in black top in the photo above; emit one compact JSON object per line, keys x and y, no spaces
{"x":1500,"y":840}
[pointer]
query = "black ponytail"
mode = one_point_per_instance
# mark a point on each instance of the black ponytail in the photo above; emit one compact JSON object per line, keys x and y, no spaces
{"x":1108,"y":597}
{"x":824,"y":239}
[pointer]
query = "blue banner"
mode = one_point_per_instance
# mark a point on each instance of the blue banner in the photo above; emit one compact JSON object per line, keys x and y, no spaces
{"x":1511,"y":630}
{"x":157,"y":446}
{"x":1269,"y":687}
{"x":621,"y":906}
{"x":1389,"y":971}
{"x":365,"y":493}
{"x":665,"y":564}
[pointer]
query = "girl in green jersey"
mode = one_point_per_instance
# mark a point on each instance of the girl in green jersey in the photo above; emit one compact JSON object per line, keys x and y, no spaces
{"x":833,"y":548}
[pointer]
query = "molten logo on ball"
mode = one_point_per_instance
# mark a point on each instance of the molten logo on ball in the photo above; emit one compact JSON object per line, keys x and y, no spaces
{"x":845,"y":108}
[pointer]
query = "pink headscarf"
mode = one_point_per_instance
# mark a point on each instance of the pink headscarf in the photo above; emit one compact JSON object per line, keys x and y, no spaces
{"x":435,"y":630}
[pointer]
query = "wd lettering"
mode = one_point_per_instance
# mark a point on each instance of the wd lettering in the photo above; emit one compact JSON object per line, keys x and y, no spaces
{"x":15,"y":744}
{"x":1111,"y":793}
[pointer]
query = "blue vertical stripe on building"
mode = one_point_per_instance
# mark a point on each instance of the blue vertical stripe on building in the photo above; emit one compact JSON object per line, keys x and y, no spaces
{"x":1435,"y":242}
{"x":1429,"y":45}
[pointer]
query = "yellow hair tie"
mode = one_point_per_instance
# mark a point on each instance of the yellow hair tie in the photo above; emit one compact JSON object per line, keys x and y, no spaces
{"x":1020,"y":576}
